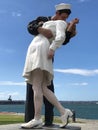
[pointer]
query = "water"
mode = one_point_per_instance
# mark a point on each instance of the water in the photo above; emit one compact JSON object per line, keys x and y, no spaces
{"x":12,"y":108}
{"x":83,"y":110}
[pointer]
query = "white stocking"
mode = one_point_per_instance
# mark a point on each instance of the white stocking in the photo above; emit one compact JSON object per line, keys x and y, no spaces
{"x":52,"y":98}
{"x":37,"y":76}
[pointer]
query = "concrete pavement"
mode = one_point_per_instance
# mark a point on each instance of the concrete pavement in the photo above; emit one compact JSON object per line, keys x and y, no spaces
{"x":81,"y":124}
{"x":17,"y":127}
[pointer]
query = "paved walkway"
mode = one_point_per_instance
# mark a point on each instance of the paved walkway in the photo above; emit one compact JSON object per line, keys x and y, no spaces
{"x":81,"y":125}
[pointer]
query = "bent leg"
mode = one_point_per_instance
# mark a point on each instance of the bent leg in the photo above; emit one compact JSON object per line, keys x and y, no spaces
{"x":49,"y":95}
{"x":49,"y":108}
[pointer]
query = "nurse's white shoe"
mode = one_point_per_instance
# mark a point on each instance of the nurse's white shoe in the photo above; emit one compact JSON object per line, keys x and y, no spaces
{"x":32,"y":124}
{"x":64,"y":118}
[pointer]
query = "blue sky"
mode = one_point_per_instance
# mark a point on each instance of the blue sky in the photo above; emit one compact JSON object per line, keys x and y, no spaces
{"x":75,"y":65}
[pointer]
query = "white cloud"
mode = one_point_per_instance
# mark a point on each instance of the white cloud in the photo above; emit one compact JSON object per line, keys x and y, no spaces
{"x":79,"y":84}
{"x":6,"y":94}
{"x":82,"y":72}
{"x":16,"y":14}
{"x":6,"y":50}
{"x":72,"y":84}
{"x":9,"y":51}
{"x":11,"y":83}
{"x":82,"y":1}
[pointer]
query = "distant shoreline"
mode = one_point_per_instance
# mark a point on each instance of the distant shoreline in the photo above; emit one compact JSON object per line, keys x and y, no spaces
{"x":5,"y":102}
{"x":11,"y":113}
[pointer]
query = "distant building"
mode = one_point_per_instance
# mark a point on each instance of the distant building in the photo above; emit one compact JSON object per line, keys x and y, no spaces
{"x":10,"y":98}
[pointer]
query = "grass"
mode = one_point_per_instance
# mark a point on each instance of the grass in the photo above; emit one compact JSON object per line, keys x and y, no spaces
{"x":15,"y":118}
{"x":10,"y":119}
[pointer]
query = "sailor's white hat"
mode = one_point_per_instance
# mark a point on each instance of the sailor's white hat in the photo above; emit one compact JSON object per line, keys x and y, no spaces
{"x":62,"y":6}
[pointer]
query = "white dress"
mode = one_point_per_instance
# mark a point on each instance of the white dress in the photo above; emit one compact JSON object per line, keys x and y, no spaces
{"x":37,"y":54}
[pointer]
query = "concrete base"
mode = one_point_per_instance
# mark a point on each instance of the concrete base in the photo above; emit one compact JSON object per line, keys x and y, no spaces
{"x":72,"y":128}
{"x":56,"y":127}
